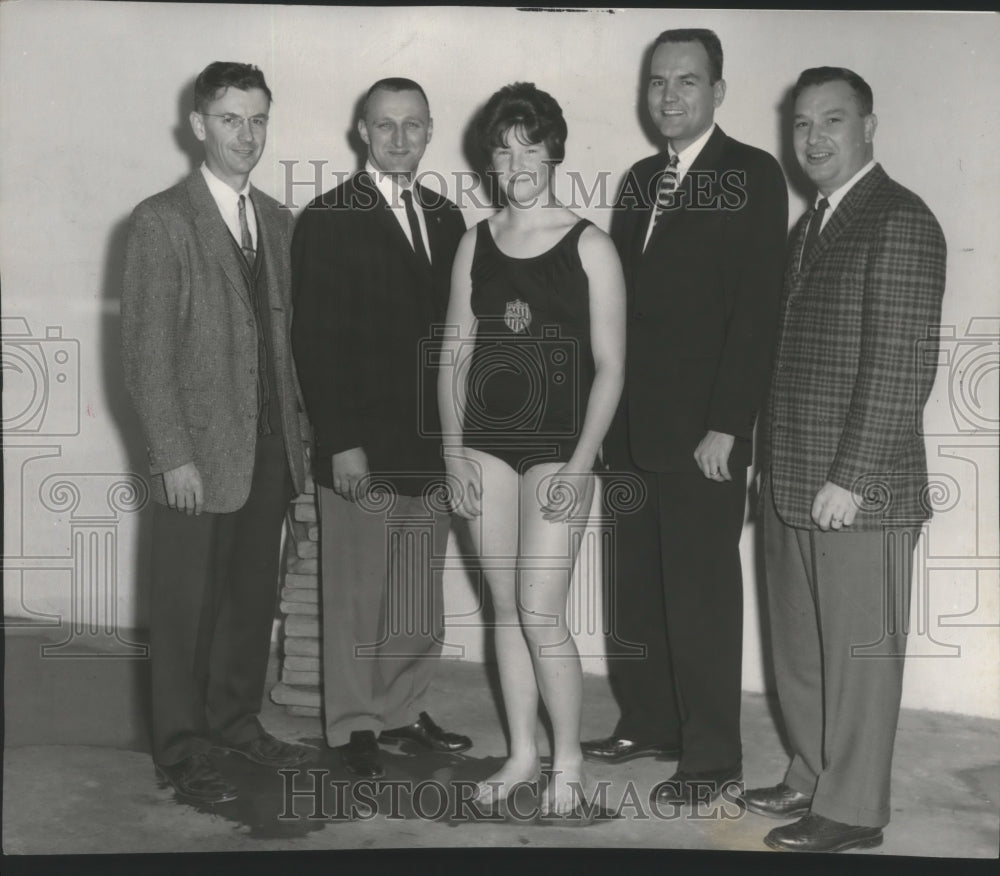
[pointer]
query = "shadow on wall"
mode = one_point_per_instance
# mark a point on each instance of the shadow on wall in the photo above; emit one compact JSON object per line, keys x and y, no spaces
{"x":119,"y":405}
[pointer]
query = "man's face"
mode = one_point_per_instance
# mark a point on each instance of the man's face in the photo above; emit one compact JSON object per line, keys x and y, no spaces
{"x":397,"y":127}
{"x":833,"y":139}
{"x":680,"y":97}
{"x":233,"y":128}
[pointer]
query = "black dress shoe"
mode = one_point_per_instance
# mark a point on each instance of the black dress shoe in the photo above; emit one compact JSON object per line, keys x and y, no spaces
{"x":814,"y":833}
{"x":777,"y":802}
{"x":268,"y":751}
{"x":689,"y":789}
{"x":425,"y":732}
{"x":196,"y":780}
{"x":360,"y":755}
{"x":615,"y":749}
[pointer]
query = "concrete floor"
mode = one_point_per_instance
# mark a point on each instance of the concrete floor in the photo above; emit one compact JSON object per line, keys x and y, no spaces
{"x":80,"y":799}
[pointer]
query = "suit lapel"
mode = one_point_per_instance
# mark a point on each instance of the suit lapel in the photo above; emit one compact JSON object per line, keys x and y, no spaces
{"x":214,"y":236}
{"x":387,"y":219}
{"x":847,"y":210}
{"x":707,"y":159}
{"x":266,"y":232}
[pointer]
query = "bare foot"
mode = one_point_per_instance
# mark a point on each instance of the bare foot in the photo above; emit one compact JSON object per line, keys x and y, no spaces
{"x":568,"y":787}
{"x":515,"y":771}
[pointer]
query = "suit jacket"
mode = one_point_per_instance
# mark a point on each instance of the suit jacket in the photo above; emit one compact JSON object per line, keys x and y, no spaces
{"x":362,"y":335}
{"x":189,"y":342}
{"x":850,"y":383}
{"x":702,"y":303}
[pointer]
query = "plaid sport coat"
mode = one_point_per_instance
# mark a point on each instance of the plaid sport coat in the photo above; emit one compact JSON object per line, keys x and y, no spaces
{"x":849,"y":384}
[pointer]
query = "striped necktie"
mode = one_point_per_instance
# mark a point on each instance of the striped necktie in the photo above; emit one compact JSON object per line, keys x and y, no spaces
{"x":246,"y":243}
{"x":665,"y":188}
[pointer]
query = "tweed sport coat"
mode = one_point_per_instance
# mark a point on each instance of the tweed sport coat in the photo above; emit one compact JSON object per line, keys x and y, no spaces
{"x":849,"y":382}
{"x":702,"y":304}
{"x":189,"y":339}
{"x":364,"y":311}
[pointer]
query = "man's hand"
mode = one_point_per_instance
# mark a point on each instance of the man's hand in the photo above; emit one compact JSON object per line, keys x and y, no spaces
{"x":712,"y":455}
{"x":184,"y":489}
{"x":350,"y":468}
{"x":834,"y":507}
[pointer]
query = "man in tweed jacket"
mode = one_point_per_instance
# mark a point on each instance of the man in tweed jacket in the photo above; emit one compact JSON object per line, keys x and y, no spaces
{"x":205,"y":349}
{"x":845,"y":472}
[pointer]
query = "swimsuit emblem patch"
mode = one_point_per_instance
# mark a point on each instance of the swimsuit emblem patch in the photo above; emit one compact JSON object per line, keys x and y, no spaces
{"x":518,"y":316}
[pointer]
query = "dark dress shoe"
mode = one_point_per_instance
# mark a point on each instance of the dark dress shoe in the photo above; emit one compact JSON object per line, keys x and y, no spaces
{"x":268,"y":751}
{"x":360,"y":755}
{"x":689,"y":789}
{"x":814,"y":833}
{"x":615,"y":749}
{"x":196,"y":780}
{"x":425,"y":732}
{"x":777,"y":802}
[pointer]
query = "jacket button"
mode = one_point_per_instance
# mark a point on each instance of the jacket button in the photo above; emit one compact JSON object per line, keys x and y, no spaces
{"x":637,"y":316}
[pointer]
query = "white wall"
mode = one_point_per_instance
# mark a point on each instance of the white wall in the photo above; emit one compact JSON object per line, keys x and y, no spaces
{"x":93,"y":119}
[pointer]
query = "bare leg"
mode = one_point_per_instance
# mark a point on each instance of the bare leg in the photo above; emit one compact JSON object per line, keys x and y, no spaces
{"x":495,"y":538}
{"x":548,"y":553}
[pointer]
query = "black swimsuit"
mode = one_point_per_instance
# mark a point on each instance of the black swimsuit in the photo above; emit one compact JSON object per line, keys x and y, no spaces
{"x":531,"y":370}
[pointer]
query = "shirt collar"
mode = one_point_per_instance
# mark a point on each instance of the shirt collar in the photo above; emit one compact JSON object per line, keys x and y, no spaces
{"x":686,"y":157}
{"x":222,"y":193}
{"x":834,"y":199}
{"x":388,"y":184}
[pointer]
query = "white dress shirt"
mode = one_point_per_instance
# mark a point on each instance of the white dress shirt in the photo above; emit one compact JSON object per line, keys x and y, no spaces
{"x":228,"y":202}
{"x":391,"y":187}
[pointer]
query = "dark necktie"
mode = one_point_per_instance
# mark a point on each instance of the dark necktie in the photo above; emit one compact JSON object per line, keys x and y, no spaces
{"x":665,"y":188}
{"x":411,"y":217}
{"x":246,"y":241}
{"x":812,"y":233}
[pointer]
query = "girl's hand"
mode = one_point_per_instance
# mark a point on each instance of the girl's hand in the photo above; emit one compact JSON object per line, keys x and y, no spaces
{"x":567,"y":494}
{"x":465,"y":487}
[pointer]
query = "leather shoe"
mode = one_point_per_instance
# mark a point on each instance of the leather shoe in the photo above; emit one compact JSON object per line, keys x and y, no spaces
{"x":814,"y":833}
{"x":360,"y":755}
{"x":196,"y":780}
{"x":689,"y":789}
{"x":425,"y":732}
{"x":616,"y":749}
{"x":777,"y":802}
{"x":268,"y":751}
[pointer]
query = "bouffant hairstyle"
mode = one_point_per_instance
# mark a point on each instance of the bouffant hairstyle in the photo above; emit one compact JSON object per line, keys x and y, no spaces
{"x":533,"y":114}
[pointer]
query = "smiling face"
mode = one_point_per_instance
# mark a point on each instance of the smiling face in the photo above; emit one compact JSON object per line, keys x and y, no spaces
{"x":833,"y":138}
{"x":232,"y":154}
{"x":522,"y":168}
{"x":396,"y":127}
{"x":680,"y":97}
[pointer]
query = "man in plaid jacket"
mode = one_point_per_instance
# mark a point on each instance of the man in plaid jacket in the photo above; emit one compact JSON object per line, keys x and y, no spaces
{"x":845,"y":474}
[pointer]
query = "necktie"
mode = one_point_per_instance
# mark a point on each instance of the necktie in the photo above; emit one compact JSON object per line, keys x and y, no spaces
{"x":246,"y":242}
{"x":665,"y":188}
{"x":812,"y":233}
{"x":411,"y":217}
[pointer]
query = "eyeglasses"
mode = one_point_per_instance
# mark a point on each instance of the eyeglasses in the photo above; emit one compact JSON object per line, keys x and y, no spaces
{"x":233,"y":122}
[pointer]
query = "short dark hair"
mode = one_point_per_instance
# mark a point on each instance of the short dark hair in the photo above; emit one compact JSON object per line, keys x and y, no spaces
{"x":522,"y":105}
{"x":712,"y":44}
{"x":393,"y":83}
{"x":822,"y":75}
{"x":220,"y":75}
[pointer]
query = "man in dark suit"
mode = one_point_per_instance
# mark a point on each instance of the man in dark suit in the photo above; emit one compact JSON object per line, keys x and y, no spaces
{"x":845,"y":475}
{"x":205,"y":319}
{"x":700,"y":228}
{"x":371,"y":261}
